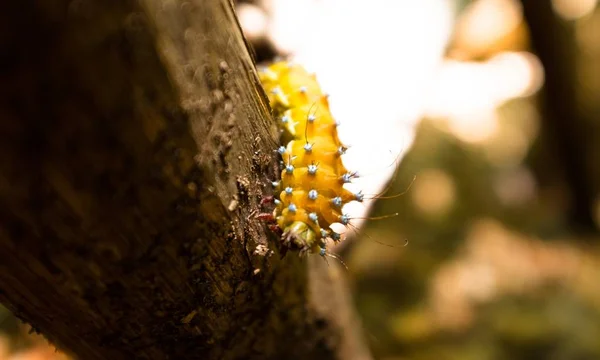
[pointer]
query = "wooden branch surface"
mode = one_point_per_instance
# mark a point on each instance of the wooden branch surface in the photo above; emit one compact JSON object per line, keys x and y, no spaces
{"x":136,"y":144}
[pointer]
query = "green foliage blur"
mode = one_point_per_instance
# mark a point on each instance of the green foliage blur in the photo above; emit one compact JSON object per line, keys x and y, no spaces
{"x":502,"y":261}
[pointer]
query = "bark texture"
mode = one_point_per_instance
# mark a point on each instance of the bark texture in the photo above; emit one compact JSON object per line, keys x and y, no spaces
{"x":136,"y":145}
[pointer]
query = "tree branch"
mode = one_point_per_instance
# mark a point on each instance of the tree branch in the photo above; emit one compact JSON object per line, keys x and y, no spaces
{"x":136,"y":146}
{"x":566,"y":131}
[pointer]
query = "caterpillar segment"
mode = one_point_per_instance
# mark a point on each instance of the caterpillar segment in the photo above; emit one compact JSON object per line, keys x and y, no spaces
{"x":311,"y":194}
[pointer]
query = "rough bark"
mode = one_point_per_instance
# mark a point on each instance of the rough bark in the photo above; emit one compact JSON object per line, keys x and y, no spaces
{"x":136,"y":145}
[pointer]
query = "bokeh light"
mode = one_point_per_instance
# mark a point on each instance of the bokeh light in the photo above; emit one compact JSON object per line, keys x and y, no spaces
{"x":573,"y":9}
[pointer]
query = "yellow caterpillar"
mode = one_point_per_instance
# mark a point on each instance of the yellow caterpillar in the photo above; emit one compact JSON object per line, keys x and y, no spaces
{"x":311,"y":191}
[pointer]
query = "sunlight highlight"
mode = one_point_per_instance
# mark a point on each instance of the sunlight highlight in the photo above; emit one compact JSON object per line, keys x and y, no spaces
{"x":573,"y":9}
{"x":378,"y":60}
{"x":468,"y":93}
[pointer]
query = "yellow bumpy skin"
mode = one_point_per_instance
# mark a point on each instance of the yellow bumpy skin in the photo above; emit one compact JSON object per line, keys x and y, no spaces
{"x":311,"y":192}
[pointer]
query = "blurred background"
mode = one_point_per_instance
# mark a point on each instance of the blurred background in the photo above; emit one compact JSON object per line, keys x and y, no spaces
{"x":493,"y":108}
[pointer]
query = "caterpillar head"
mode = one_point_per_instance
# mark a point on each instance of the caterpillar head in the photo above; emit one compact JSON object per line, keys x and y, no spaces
{"x":299,"y":236}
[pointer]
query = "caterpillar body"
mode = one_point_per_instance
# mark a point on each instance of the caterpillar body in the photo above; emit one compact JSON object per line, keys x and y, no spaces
{"x":310,"y":194}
